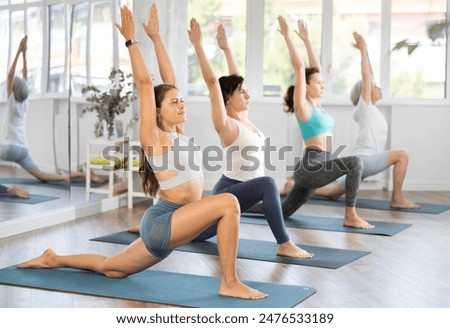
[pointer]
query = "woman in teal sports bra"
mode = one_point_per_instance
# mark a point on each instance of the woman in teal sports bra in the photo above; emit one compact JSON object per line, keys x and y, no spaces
{"x":180,"y":214}
{"x":316,"y":168}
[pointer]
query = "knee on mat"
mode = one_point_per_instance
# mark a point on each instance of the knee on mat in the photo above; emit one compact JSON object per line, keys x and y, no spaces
{"x":116,"y":274}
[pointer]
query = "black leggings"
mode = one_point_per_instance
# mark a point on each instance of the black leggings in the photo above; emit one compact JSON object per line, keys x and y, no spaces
{"x":317,"y":169}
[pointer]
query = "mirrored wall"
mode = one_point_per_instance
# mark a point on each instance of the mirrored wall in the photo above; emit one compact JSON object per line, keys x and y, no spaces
{"x":69,"y":46}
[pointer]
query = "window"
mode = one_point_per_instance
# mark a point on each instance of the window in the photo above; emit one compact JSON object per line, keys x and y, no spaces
{"x":345,"y":69}
{"x":101,"y":48}
{"x":34,"y":53}
{"x":4,"y":36}
{"x":278,"y":74}
{"x":57,"y":48}
{"x":78,"y":67}
{"x":422,"y":74}
{"x":209,"y":14}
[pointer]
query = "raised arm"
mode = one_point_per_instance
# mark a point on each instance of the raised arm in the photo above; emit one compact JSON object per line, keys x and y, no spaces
{"x":148,"y":129}
{"x":222,"y":42}
{"x":366,"y":68}
{"x":302,"y":110}
{"x":303,"y":33}
{"x":12,"y":71}
{"x":225,"y":127}
{"x":165,"y":66}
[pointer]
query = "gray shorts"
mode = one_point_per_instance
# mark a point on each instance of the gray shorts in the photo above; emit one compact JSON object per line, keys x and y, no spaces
{"x":155,"y":228}
{"x":373,"y":164}
{"x":19,"y":155}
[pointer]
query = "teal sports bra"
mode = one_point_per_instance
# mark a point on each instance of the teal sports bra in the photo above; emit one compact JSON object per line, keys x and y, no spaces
{"x":184,"y":158}
{"x":319,"y":123}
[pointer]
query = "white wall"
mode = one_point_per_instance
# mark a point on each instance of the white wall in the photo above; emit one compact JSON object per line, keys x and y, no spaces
{"x":423,"y":130}
{"x":47,"y":133}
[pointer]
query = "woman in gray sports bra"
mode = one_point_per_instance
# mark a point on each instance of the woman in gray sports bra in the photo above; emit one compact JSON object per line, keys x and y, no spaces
{"x":180,"y":214}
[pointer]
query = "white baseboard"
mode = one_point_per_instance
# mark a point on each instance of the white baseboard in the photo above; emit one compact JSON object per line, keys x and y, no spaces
{"x":66,"y":214}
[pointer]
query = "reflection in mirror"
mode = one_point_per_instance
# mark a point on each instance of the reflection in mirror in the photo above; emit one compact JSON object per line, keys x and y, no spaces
{"x":92,"y":58}
{"x":31,"y":124}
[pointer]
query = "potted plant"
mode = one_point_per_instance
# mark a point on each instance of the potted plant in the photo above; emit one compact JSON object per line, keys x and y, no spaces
{"x":108,"y":104}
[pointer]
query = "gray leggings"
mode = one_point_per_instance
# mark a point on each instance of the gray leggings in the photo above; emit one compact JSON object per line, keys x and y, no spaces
{"x":317,"y":169}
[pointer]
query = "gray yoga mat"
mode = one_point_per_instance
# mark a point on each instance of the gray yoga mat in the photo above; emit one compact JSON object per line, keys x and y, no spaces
{"x":331,"y":258}
{"x":383,"y":205}
{"x":327,"y":224}
{"x":154,"y":286}
{"x":34,"y":199}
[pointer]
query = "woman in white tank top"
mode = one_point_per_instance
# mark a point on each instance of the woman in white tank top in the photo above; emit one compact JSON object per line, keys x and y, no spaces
{"x":242,"y":143}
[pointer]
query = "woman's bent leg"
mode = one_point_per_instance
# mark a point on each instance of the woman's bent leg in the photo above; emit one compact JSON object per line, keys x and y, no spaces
{"x":265,"y":189}
{"x":223,"y":210}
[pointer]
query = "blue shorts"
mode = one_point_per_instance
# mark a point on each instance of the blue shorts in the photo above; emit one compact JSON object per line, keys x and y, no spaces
{"x":156,"y":227}
{"x":19,"y":155}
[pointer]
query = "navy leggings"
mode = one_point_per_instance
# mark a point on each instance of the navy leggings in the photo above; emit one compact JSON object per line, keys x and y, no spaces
{"x":317,"y":169}
{"x":3,"y":189}
{"x":248,"y":194}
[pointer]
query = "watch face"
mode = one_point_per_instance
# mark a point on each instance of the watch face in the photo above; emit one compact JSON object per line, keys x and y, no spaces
{"x":130,"y":42}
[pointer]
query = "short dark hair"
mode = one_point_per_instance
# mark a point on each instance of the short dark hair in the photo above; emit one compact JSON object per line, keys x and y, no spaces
{"x":228,"y":84}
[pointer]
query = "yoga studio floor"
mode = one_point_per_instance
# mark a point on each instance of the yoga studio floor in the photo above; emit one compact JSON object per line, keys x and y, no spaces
{"x":408,"y":270}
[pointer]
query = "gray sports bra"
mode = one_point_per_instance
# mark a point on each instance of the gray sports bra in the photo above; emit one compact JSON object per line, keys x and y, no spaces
{"x":184,"y":158}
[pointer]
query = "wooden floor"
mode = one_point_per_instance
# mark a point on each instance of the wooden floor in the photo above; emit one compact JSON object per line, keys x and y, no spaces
{"x":410,"y":269}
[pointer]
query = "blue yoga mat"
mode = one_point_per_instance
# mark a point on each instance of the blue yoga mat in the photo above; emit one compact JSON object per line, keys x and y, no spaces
{"x":154,"y":286}
{"x":328,"y":224}
{"x":383,"y":205}
{"x":324,"y":257}
{"x":50,"y":184}
{"x":34,"y":199}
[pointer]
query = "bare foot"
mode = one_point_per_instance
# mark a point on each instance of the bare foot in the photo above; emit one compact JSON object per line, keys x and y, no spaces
{"x":239,"y":290}
{"x":18,"y":192}
{"x":291,"y":250}
{"x":404,"y":203}
{"x":287,"y":187}
{"x":354,"y":221}
{"x":134,"y":229}
{"x":46,"y":260}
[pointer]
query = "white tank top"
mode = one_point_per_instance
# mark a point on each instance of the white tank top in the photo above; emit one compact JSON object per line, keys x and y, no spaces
{"x":14,"y":123}
{"x":372,"y":129}
{"x":244,"y":158}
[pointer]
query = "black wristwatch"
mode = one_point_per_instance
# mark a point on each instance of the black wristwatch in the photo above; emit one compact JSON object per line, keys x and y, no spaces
{"x":130,"y":42}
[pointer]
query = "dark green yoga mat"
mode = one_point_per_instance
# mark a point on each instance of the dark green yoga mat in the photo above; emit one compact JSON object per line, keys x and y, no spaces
{"x":327,"y":224}
{"x":34,"y":199}
{"x":383,"y":205}
{"x":154,"y":286}
{"x":331,"y":258}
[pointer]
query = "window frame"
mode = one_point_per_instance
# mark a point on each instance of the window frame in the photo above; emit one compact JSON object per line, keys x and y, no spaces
{"x":254,"y":57}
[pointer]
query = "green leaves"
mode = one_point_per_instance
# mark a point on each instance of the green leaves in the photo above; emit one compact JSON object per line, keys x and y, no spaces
{"x":109,"y":104}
